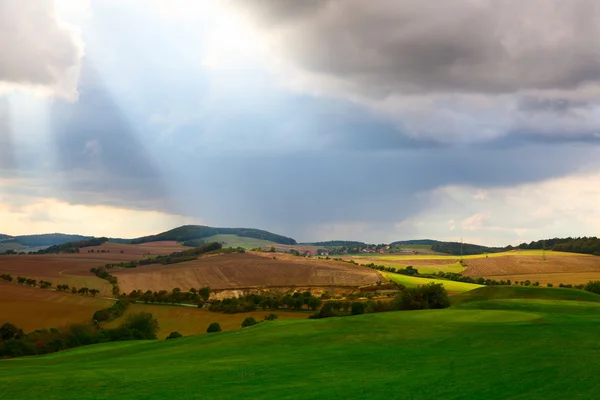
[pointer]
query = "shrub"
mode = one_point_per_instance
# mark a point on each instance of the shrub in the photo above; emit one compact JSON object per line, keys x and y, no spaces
{"x":592,"y":286}
{"x":357,"y":308}
{"x":143,"y":325}
{"x":270,"y":317}
{"x":214,"y":327}
{"x":249,"y":322}
{"x":174,"y":335}
{"x":432,"y":295}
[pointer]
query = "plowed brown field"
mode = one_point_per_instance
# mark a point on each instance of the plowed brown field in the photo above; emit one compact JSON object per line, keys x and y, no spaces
{"x":233,"y":271}
{"x":33,"y":308}
{"x":555,"y":269}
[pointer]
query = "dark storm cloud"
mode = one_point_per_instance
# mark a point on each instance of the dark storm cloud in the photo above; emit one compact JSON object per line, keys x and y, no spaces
{"x":466,"y":46}
{"x":451,"y":70}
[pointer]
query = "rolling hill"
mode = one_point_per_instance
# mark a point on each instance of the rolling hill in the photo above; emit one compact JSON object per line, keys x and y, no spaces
{"x":541,"y":347}
{"x":191,"y":232}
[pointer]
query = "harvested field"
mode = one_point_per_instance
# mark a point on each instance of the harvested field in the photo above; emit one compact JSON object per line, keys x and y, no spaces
{"x":33,"y":308}
{"x":555,"y":269}
{"x":194,"y":321}
{"x":74,"y":269}
{"x":235,"y":271}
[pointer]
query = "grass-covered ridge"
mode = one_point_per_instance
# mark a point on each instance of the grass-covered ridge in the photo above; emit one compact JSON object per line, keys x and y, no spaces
{"x":487,"y":293}
{"x":534,"y":352}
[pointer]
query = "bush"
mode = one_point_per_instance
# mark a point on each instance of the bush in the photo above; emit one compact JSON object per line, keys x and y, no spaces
{"x":270,"y":317}
{"x":592,"y":286}
{"x":143,"y":325}
{"x":214,"y":327}
{"x":432,"y":295}
{"x":174,"y":335}
{"x":249,"y":322}
{"x":357,"y":308}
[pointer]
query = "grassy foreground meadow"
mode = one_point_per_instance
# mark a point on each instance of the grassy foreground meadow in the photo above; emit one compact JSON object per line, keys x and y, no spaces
{"x":495,"y":343}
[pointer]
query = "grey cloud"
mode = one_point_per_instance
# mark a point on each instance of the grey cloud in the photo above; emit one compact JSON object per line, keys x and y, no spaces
{"x":446,"y":71}
{"x":465,"y":46}
{"x":36,"y":49}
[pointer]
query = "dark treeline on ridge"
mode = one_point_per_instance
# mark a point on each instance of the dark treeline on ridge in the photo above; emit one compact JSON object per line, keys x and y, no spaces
{"x":583,"y":245}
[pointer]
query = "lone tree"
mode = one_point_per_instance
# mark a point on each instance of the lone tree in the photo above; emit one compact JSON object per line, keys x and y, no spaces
{"x":214,"y":327}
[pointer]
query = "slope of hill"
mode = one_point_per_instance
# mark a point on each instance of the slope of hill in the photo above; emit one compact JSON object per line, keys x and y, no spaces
{"x":453,"y":248}
{"x":537,"y":351}
{"x":189,"y":232}
{"x":50,"y":239}
{"x":238,"y":271}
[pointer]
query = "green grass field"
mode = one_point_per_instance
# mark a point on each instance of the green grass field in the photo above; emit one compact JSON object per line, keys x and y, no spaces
{"x":412,"y":281}
{"x":239,"y":241}
{"x":509,"y":347}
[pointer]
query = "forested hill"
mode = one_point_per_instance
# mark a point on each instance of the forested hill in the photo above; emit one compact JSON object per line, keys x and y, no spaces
{"x":73,"y":247}
{"x":457,"y":248}
{"x":47,"y":239}
{"x":189,"y":232}
{"x":453,"y":248}
{"x":336,"y":243}
{"x":583,"y":245}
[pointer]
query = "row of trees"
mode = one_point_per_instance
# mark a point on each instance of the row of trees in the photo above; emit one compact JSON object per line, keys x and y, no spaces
{"x":583,"y":245}
{"x":15,"y":343}
{"x":175,"y":296}
{"x":47,"y":285}
{"x":267,"y":301}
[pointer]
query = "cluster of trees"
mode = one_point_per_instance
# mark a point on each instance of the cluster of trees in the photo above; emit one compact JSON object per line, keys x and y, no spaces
{"x":15,"y":343}
{"x":583,"y":245}
{"x":457,"y":248}
{"x":190,"y":232}
{"x":175,"y":296}
{"x":73,"y":247}
{"x":409,"y":270}
{"x":429,"y":296}
{"x":6,"y":277}
{"x":272,"y":301}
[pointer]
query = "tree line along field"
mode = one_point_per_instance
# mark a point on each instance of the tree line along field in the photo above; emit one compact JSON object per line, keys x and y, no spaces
{"x":494,"y":343}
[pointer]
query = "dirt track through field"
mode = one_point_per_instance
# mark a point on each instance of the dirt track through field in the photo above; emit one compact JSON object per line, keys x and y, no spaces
{"x":230,"y":271}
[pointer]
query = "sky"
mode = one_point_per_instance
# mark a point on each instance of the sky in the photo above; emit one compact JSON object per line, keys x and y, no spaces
{"x":318,"y":119}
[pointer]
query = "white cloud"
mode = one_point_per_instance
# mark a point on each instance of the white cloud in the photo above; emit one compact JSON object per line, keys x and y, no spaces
{"x":40,"y":53}
{"x":562,"y":207}
{"x":26,"y":215}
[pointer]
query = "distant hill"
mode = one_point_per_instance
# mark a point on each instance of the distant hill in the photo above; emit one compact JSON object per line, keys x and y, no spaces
{"x":453,"y":248}
{"x":191,"y":232}
{"x":5,"y":237}
{"x":335,"y":243}
{"x":417,"y":241}
{"x":48,"y":239}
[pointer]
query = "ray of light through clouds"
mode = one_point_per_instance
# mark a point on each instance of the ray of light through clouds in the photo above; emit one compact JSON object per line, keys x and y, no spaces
{"x":317,"y":119}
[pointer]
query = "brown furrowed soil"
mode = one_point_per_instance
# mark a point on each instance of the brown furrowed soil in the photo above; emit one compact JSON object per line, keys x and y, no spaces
{"x":193,"y":321}
{"x":236,"y":271}
{"x":555,"y":269}
{"x":32,"y":308}
{"x":74,"y":269}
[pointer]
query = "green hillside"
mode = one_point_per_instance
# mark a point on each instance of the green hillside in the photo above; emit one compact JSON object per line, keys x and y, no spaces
{"x":239,"y":241}
{"x":190,"y":232}
{"x":520,"y":349}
